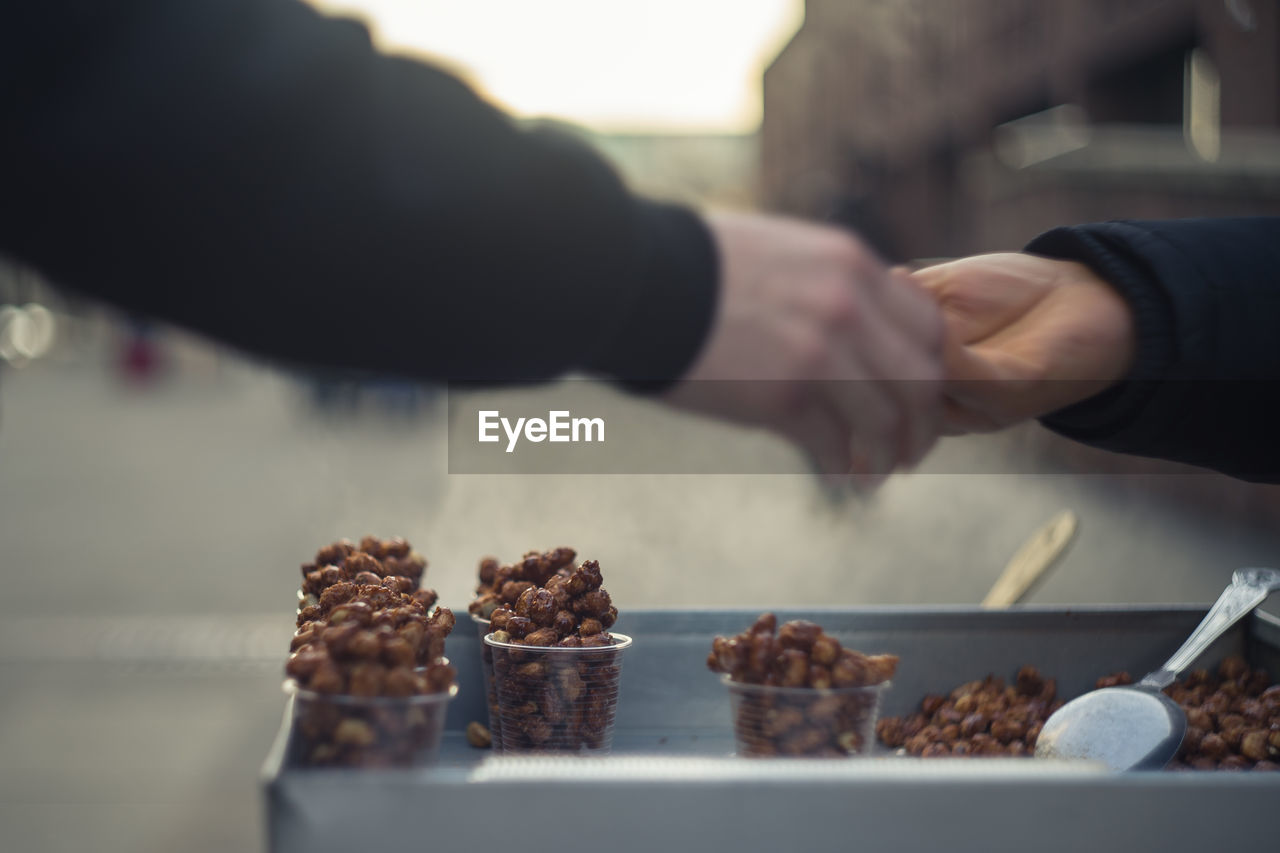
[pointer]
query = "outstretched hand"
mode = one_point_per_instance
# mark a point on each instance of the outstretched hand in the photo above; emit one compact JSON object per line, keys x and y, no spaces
{"x":1025,"y":336}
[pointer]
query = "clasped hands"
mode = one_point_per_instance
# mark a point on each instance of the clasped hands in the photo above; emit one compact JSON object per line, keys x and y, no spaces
{"x":864,"y":367}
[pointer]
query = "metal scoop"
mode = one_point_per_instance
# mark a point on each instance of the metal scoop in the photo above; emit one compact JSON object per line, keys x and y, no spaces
{"x":1138,"y":727}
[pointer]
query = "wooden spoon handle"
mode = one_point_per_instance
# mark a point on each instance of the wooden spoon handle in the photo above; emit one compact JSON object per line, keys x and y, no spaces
{"x":1032,"y":560}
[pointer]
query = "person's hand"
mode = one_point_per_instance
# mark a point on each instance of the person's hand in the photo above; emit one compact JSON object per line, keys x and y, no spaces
{"x":1026,"y":336}
{"x":823,"y":344}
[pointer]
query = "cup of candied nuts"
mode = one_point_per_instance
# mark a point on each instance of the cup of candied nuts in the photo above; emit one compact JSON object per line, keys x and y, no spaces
{"x":798,"y":693}
{"x":501,"y":586}
{"x":369,"y":680}
{"x":556,"y":666}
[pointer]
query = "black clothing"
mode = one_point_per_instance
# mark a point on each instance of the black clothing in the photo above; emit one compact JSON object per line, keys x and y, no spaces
{"x":257,"y":172}
{"x":1205,"y":388}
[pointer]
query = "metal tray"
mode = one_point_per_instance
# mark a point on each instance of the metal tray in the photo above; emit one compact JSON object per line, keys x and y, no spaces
{"x":673,"y":783}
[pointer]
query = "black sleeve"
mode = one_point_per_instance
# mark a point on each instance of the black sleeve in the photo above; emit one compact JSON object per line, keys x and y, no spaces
{"x":257,"y":172}
{"x":1205,"y":388}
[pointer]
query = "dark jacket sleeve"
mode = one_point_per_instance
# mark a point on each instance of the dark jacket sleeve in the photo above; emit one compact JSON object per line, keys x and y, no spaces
{"x":257,"y":172}
{"x":1205,"y":388}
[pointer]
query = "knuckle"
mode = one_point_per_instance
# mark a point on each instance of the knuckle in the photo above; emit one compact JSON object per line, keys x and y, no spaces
{"x":840,"y":310}
{"x":810,"y":357}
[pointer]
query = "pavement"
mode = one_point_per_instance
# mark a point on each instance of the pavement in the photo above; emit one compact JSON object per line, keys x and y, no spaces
{"x":152,"y":538}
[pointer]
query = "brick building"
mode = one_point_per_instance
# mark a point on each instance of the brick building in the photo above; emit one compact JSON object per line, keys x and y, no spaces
{"x":940,"y":127}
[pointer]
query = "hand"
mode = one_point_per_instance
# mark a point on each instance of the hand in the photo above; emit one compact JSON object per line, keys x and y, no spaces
{"x":1026,"y":336}
{"x":817,"y":323}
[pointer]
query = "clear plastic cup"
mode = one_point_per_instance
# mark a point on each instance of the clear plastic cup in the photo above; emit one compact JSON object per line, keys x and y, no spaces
{"x":336,"y":730}
{"x":553,"y":699}
{"x":486,"y":664}
{"x":830,"y":722}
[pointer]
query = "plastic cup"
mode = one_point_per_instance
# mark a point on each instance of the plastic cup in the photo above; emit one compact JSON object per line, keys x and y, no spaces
{"x":814,"y":722}
{"x":337,"y":730}
{"x":486,"y":664}
{"x":553,"y":699}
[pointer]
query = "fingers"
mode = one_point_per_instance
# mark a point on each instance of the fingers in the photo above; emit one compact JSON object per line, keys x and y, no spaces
{"x":824,"y":436}
{"x":982,"y":295}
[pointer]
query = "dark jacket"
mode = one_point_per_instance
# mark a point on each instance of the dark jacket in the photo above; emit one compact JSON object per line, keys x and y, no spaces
{"x":1205,"y":388}
{"x":257,"y":172}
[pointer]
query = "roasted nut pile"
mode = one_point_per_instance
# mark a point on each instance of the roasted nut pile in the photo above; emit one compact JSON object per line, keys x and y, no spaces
{"x":361,"y":654}
{"x":984,"y":717}
{"x":501,"y":586}
{"x":571,"y":610}
{"x":387,"y":562}
{"x":827,"y":719}
{"x":1233,"y":719}
{"x":558,"y":691}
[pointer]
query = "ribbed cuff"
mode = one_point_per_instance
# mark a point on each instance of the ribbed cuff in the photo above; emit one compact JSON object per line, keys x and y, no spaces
{"x":1107,"y":413}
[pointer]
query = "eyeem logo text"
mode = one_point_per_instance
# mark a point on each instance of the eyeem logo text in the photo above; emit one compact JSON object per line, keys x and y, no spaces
{"x":560,"y":426}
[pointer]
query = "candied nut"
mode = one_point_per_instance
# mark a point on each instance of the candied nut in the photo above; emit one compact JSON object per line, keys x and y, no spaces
{"x":589,"y":626}
{"x":825,"y":650}
{"x":397,"y":652}
{"x":542,"y":608}
{"x":512,"y":590}
{"x":367,"y":679}
{"x":890,"y":730}
{"x":1254,"y":745}
{"x":1213,"y":745}
{"x":310,"y":613}
{"x":334,"y":553}
{"x":798,"y":634}
{"x":1006,"y":729}
{"x":478,"y":736}
{"x":1114,"y":680}
{"x":542,"y":637}
{"x":793,"y":668}
{"x":1029,"y":681}
{"x":972,"y":725}
{"x":565,"y":623}
{"x":498,"y":619}
{"x":400,"y":584}
{"x":400,"y":681}
{"x":440,"y":677}
{"x":305,"y":662}
{"x":362,"y":644}
{"x":593,"y":603}
{"x":934,"y":750}
{"x":326,"y":679}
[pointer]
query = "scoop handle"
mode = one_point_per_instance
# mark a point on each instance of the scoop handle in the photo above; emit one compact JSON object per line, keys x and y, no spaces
{"x":1248,"y":589}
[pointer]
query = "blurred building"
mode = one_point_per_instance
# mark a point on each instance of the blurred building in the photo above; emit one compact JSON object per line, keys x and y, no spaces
{"x":942,"y":128}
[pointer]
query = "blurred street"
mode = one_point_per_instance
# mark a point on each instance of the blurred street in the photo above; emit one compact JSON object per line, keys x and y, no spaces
{"x":152,"y":538}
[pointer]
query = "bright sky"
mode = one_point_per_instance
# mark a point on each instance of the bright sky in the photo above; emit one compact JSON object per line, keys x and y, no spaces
{"x":610,"y":64}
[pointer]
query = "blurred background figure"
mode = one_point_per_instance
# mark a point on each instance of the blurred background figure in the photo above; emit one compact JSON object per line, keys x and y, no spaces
{"x":152,"y":539}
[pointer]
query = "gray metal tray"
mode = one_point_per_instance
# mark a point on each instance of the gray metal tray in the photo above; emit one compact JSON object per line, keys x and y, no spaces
{"x":673,"y":783}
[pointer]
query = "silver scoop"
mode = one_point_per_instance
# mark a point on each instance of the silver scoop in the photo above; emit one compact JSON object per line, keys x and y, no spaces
{"x":1138,"y":727}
